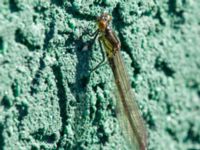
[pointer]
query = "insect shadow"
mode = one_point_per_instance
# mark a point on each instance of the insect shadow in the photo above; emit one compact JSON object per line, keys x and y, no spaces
{"x":83,"y":51}
{"x":84,"y":55}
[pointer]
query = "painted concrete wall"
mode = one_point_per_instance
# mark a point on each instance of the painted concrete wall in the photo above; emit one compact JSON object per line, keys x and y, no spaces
{"x":47,"y":100}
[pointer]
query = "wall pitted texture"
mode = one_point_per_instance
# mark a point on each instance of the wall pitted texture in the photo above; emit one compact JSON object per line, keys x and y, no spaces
{"x":47,"y":100}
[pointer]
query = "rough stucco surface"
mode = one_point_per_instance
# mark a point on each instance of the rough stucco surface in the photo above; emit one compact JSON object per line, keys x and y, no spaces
{"x":47,"y":100}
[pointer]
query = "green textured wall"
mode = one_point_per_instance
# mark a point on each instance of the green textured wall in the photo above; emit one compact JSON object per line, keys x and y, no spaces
{"x":47,"y":100}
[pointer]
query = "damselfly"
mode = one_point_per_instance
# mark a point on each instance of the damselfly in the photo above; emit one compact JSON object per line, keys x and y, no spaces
{"x":130,"y":120}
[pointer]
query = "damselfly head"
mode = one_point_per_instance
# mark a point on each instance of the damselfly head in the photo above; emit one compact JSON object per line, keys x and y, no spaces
{"x":103,"y":21}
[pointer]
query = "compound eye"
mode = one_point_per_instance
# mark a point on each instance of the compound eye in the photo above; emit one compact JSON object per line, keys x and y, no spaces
{"x":108,"y":18}
{"x":104,"y":18}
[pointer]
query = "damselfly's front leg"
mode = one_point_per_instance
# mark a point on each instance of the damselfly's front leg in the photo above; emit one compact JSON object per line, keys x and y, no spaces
{"x":91,"y":42}
{"x":103,"y":54}
{"x":93,"y":34}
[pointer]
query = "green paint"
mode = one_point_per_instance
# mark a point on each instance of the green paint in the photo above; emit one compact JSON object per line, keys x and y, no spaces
{"x":47,"y":100}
